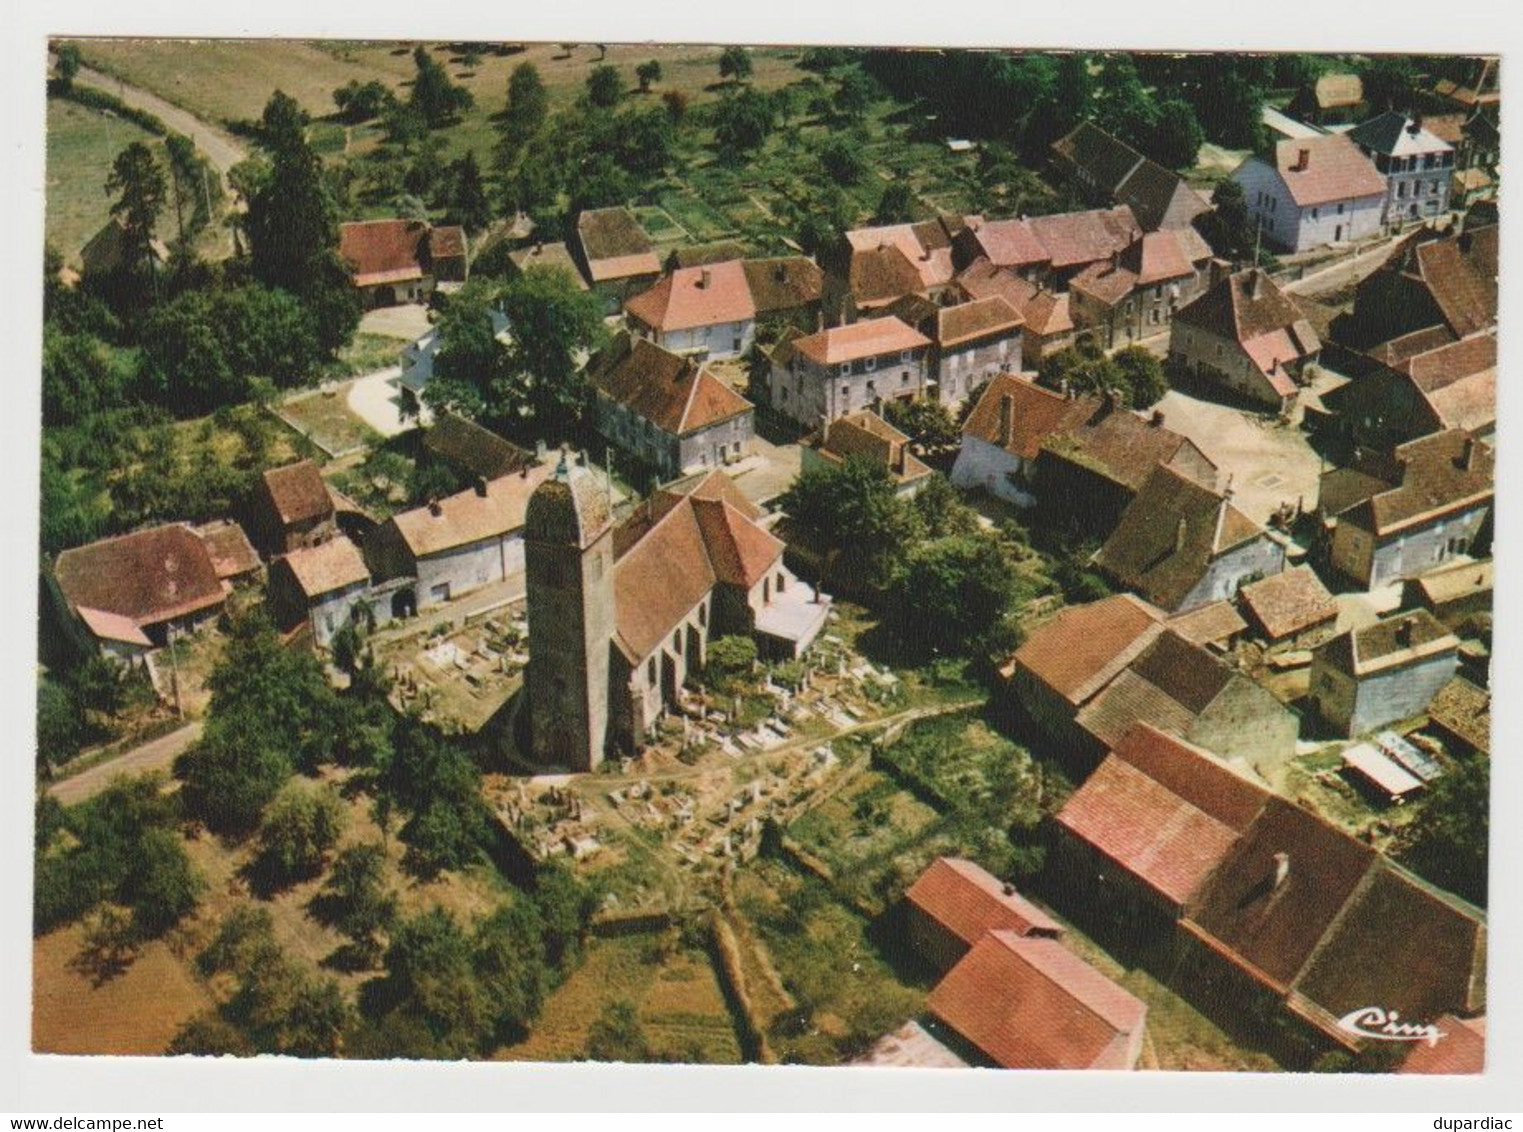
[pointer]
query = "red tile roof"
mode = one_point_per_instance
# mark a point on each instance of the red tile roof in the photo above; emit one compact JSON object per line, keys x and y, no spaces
{"x":1076,"y":238}
{"x":868,"y":435}
{"x":329,"y":566}
{"x":693,"y":297}
{"x":232,"y":554}
{"x":968,"y":901}
{"x":981,"y":318}
{"x":1163,"y":810}
{"x":1082,"y":649}
{"x":674,"y":393}
{"x":390,"y":251}
{"x":1008,"y":243}
{"x":1335,"y":170}
{"x":298,"y":493}
{"x":1033,"y":1004}
{"x":871,"y":337}
{"x":147,"y":577}
{"x":469,"y":516}
{"x":1289,"y":602}
{"x":1462,"y":1049}
{"x":1035,"y":414}
{"x":113,"y":627}
{"x":925,"y":246}
{"x":1208,"y":624}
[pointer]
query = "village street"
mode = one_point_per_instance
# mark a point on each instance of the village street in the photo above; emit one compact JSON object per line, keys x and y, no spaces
{"x":156,"y":754}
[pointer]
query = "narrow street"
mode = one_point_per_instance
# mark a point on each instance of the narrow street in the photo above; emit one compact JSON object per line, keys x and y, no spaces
{"x":219,"y":149}
{"x":156,"y":754}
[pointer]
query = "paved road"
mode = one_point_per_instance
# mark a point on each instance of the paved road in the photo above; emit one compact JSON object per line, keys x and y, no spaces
{"x":219,"y":149}
{"x":156,"y":754}
{"x":1345,"y":271}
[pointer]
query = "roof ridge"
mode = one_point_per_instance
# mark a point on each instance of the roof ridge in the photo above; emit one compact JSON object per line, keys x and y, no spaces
{"x":692,"y":394}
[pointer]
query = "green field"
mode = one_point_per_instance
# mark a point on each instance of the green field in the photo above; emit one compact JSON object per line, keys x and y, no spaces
{"x":81,"y":144}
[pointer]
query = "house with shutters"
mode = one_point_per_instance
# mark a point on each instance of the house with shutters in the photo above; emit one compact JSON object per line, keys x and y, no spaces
{"x":1310,"y":192}
{"x":400,"y":261}
{"x":1400,"y":514}
{"x":667,"y":410}
{"x":1382,"y":673}
{"x":1247,"y":336}
{"x":1183,"y":544}
{"x":1135,"y":293}
{"x":817,"y":378}
{"x":971,"y":342}
{"x":1416,"y":164}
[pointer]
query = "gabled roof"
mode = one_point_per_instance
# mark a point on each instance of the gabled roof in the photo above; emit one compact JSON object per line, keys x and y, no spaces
{"x":871,"y":337}
{"x":390,"y":251}
{"x":1338,"y":91}
{"x":696,"y":255}
{"x":554,"y":257}
{"x":1160,"y":198}
{"x":1435,"y":476}
{"x":1169,"y":534}
{"x":614,"y":244}
{"x":676,"y":394}
{"x":1397,"y":135}
{"x":968,"y":901}
{"x":471,"y":516}
{"x":477,"y":450}
{"x":1460,"y":272}
{"x":232,"y":554}
{"x":1163,"y":810}
{"x":926,"y":246}
{"x":1105,"y":158}
{"x":1464,"y":711}
{"x":882,"y":274}
{"x":113,"y":627}
{"x":1169,"y":684}
{"x":1076,"y":238}
{"x":146,"y":577}
{"x":1035,"y":413}
{"x":329,"y":566}
{"x":740,"y":551}
{"x":692,"y":297}
{"x":1398,"y":640}
{"x":1246,"y":306}
{"x":1030,"y":1003}
{"x":298,"y":493}
{"x":783,"y":283}
{"x":1289,"y":602}
{"x":869,"y":436}
{"x":1117,"y":444}
{"x":1209,"y":624}
{"x":1082,"y":649}
{"x":1454,"y":581}
{"x":1007,"y":243}
{"x":105,"y":250}
{"x":972,"y":321}
{"x":1325,"y":169}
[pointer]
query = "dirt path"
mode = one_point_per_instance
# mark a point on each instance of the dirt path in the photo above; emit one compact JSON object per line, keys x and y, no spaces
{"x":219,"y":149}
{"x":157,"y":754}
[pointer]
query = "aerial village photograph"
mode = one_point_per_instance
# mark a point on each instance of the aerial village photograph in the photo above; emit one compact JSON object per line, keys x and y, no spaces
{"x":778,"y":555}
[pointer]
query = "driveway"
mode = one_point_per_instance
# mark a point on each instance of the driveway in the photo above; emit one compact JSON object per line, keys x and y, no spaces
{"x":376,"y":399}
{"x":1269,"y":463}
{"x":157,"y":754}
{"x":409,"y":321}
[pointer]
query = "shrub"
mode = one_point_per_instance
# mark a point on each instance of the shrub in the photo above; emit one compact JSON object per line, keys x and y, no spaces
{"x":299,"y":830}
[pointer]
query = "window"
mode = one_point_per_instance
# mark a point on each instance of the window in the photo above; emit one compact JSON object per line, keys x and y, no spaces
{"x":1340,"y":209}
{"x":844,"y":369}
{"x":846,"y":392}
{"x":906,"y":356}
{"x":650,"y":670}
{"x":904,"y":378}
{"x":870,"y":364}
{"x":1433,"y":187}
{"x":1314,"y":213}
{"x":1401,"y":189}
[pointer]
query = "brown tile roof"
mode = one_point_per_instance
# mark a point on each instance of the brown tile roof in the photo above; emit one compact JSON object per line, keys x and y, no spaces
{"x":1109,"y":282}
{"x":741,"y":552}
{"x":1399,"y":349}
{"x":615,"y":245}
{"x":1035,"y":413}
{"x":926,"y":246}
{"x":1209,"y":624}
{"x":113,"y":627}
{"x":1289,"y":602}
{"x":554,"y":256}
{"x":1076,"y":238}
{"x":1163,"y":810}
{"x":696,"y":255}
{"x":1446,"y":127}
{"x":1462,"y":1049}
{"x":676,"y":394}
{"x":1170,"y":254}
{"x":298,"y":493}
{"x":968,"y":901}
{"x":233,"y":555}
{"x":477,"y":450}
{"x":1048,"y":313}
{"x":1169,"y":684}
{"x":871,"y":337}
{"x":329,"y":566}
{"x":981,"y":318}
{"x":384,"y":251}
{"x":1246,"y":306}
{"x":1030,"y":1003}
{"x":1117,"y":444}
{"x":1461,"y":274}
{"x":1104,"y":157}
{"x":1130,"y":699}
{"x":1396,"y":640}
{"x":1334,"y":92}
{"x":1464,"y":711}
{"x":783,"y":283}
{"x":868,"y":435}
{"x":692,"y":297}
{"x":1082,"y":649}
{"x":1169,"y":534}
{"x":881,"y":275}
{"x":1335,"y":169}
{"x":469,"y":516}
{"x":1007,"y":243}
{"x":446,"y":242}
{"x":1434,"y":479}
{"x":1271,"y":931}
{"x":1454,"y":581}
{"x":1159,"y":197}
{"x":982,"y":279}
{"x":147,"y":577}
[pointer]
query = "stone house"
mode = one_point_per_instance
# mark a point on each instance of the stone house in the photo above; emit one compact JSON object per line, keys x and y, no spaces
{"x":819,"y":377}
{"x":1182,"y":545}
{"x":971,"y":342}
{"x":954,"y":902}
{"x":867,"y":436}
{"x":1291,"y":609}
{"x":1453,"y":386}
{"x":1401,"y":514}
{"x":1446,"y":285}
{"x":621,"y":612}
{"x":1416,"y":164}
{"x":324,"y":585}
{"x":1046,"y":315}
{"x":1311,"y":192}
{"x":889,"y":261}
{"x":1003,"y":436}
{"x":615,"y":254}
{"x":291,"y":507}
{"x":1108,"y":171}
{"x":1383,"y":673}
{"x":456,"y":544}
{"x":107,"y":252}
{"x":1135,"y":294}
{"x":1247,"y":336}
{"x":704,"y":310}
{"x":540,"y":256}
{"x":400,"y":261}
{"x":1453,"y":593}
{"x":787,"y":291}
{"x":667,"y":411}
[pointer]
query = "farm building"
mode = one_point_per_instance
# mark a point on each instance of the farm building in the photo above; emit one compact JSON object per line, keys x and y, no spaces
{"x":400,"y":261}
{"x":1383,"y":673}
{"x":954,"y":902}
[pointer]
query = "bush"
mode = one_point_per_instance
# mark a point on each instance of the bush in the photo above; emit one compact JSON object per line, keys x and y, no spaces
{"x":162,"y":886}
{"x":299,"y":830}
{"x":617,"y":1035}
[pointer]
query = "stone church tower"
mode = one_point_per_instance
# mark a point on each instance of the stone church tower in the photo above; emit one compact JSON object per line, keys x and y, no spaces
{"x":568,"y":548}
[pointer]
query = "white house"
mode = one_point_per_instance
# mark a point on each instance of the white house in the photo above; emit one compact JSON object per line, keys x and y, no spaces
{"x":1415,"y":162}
{"x":1314,"y":192}
{"x":822,"y":376}
{"x":706,"y":310}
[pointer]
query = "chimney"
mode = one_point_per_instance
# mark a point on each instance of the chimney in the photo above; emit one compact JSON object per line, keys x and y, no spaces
{"x":1467,"y":461}
{"x":435,"y":508}
{"x":1179,"y":535}
{"x":1006,"y":420}
{"x":1303,"y":161}
{"x":481,"y":486}
{"x":1115,"y":258}
{"x":1415,"y":126}
{"x":1008,"y":889}
{"x":1281,"y":869}
{"x":1156,"y":420}
{"x":705,"y":277}
{"x":1404,"y":633}
{"x":1256,"y":284}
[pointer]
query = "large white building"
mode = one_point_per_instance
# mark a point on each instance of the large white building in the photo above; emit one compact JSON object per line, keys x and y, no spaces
{"x":826,"y":375}
{"x":1415,"y":163}
{"x":1313,"y":192}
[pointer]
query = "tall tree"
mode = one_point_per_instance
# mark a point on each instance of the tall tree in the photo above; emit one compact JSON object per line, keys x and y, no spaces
{"x":433,"y":95}
{"x":605,"y":86}
{"x":468,"y":204}
{"x":525,"y":114}
{"x":1177,"y":135}
{"x":138,"y":179}
{"x":183,"y":171}
{"x":735,"y":64}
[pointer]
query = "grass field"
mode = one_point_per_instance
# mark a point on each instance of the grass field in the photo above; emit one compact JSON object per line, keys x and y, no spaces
{"x":324,"y":418}
{"x":672,"y":986}
{"x":81,"y":144}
